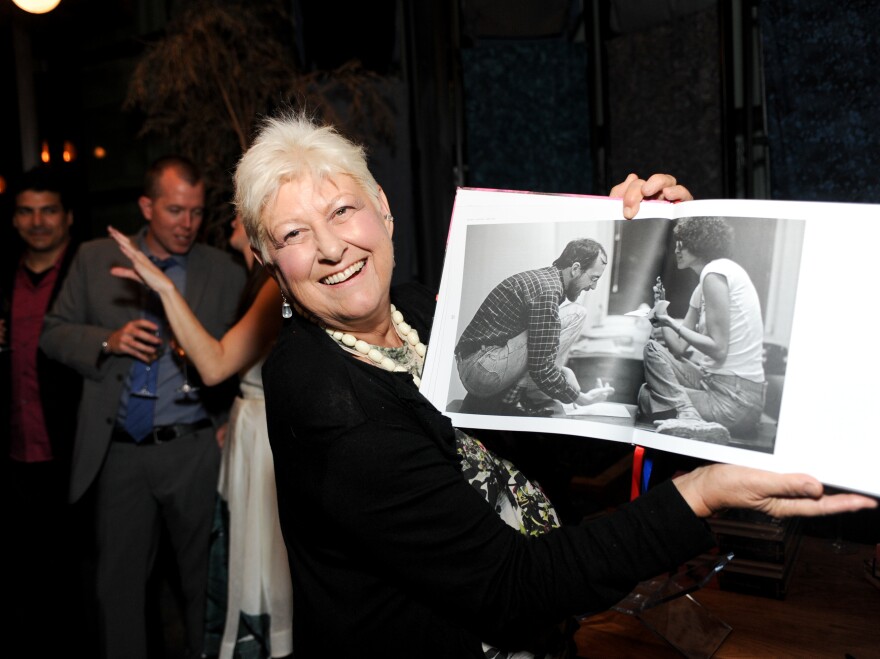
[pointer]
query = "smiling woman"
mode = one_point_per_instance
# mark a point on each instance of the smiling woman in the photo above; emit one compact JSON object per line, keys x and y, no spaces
{"x":330,"y":247}
{"x":405,"y":536}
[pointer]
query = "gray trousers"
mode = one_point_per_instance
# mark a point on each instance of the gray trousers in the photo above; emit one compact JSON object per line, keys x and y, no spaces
{"x":680,"y":385}
{"x":492,"y":370}
{"x":141,"y":489}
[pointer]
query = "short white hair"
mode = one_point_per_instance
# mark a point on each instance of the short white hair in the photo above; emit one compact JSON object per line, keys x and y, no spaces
{"x":287,"y":148}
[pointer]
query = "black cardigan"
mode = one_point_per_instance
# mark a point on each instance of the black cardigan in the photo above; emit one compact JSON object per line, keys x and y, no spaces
{"x":392,"y":552}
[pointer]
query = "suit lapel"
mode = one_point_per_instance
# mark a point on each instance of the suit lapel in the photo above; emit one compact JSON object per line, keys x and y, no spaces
{"x":197,"y":277}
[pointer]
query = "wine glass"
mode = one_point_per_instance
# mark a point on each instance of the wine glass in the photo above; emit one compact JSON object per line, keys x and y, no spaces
{"x":145,"y":391}
{"x":187,"y":389}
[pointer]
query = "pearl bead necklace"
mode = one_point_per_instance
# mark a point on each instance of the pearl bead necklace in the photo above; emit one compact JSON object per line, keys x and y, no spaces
{"x":408,"y":334}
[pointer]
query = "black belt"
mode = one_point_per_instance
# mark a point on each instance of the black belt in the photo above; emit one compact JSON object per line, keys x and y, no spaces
{"x":161,"y":434}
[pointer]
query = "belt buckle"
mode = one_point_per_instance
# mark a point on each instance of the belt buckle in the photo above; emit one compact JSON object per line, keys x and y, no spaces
{"x":156,"y":435}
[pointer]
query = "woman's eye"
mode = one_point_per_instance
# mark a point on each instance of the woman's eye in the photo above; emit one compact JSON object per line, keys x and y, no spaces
{"x":291,"y":237}
{"x":342,"y":212}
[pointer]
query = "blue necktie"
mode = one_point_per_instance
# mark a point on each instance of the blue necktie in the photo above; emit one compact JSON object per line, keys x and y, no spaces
{"x":145,"y":377}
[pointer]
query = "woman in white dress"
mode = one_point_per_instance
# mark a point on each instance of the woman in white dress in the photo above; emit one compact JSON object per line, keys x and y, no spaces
{"x":258,"y":609}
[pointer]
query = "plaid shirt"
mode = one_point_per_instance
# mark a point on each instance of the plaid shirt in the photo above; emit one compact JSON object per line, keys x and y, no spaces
{"x":526,"y":301}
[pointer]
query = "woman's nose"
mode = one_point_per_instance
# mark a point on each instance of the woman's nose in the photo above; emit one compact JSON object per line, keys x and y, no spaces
{"x":330,"y":246}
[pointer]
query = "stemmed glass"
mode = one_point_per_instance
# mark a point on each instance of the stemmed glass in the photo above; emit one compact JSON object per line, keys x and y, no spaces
{"x":188,"y":390}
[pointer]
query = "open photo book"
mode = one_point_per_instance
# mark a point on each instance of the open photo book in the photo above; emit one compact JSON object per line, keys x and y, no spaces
{"x":753,"y":349}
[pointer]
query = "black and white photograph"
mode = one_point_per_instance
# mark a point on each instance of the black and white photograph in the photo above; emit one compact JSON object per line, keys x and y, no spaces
{"x":676,"y":330}
{"x":667,"y":329}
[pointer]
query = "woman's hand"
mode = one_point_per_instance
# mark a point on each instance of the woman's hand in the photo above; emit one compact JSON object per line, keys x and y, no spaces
{"x":659,"y":316}
{"x":712,"y":488}
{"x":658,"y":186}
{"x":143,"y":270}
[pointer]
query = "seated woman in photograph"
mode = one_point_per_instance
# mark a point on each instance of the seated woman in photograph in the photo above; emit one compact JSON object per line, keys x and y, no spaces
{"x":722,"y":390}
{"x":256,"y":621}
{"x":393,"y":552}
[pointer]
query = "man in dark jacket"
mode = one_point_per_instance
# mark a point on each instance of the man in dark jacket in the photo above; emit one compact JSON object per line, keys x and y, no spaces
{"x":39,"y":403}
{"x":146,"y":452}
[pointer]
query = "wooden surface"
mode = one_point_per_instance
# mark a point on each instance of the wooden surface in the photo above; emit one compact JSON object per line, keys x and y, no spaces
{"x":831,"y":610}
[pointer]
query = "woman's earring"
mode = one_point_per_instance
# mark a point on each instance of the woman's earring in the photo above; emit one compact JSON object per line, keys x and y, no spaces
{"x":286,"y":311}
{"x":389,"y":217}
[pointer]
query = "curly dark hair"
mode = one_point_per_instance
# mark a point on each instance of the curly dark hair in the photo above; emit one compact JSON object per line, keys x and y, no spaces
{"x":706,"y":238}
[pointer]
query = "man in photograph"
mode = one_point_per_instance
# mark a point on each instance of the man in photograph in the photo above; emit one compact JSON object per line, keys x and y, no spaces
{"x":511,"y":357}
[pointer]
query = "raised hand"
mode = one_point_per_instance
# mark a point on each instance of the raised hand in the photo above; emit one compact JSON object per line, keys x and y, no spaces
{"x":143,"y":270}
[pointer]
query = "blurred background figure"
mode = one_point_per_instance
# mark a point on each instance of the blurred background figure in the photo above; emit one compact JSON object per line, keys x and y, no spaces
{"x":145,"y":443}
{"x":39,"y":416}
{"x":250,"y":604}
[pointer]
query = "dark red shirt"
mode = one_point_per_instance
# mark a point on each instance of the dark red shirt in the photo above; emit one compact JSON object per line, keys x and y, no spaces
{"x":29,"y":440}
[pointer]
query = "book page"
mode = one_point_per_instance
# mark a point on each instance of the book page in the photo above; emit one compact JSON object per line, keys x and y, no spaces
{"x":806,"y":263}
{"x":823,"y":425}
{"x":495,"y":234}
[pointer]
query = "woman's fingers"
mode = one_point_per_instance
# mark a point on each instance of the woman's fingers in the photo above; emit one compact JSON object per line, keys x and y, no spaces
{"x":125,"y":273}
{"x":656,"y":183}
{"x":676,"y":193}
{"x":619,"y":189}
{"x":661,"y":187}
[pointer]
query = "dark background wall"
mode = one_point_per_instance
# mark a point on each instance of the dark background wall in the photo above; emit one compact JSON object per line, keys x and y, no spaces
{"x":736,"y":98}
{"x":822,"y":81}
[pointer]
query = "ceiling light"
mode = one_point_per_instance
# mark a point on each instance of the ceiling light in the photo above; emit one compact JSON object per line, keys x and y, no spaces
{"x":37,"y":6}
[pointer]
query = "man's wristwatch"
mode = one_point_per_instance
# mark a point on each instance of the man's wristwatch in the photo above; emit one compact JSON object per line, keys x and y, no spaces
{"x":105,"y":346}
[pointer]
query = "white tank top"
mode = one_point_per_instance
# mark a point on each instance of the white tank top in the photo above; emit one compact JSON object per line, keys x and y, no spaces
{"x":746,"y":345}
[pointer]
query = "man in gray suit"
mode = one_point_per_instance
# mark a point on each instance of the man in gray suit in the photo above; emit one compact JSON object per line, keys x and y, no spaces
{"x":145,"y":449}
